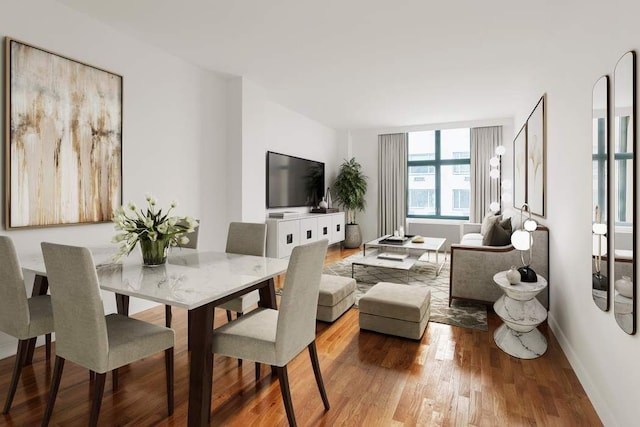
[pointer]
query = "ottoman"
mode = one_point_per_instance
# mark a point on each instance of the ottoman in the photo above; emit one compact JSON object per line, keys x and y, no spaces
{"x":336,"y":295}
{"x":395,"y":309}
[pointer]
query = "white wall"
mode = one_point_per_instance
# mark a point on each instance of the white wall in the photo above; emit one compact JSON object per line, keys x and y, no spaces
{"x":173,"y":133}
{"x":603,"y":356}
{"x":364,"y":147}
{"x":267,"y":126}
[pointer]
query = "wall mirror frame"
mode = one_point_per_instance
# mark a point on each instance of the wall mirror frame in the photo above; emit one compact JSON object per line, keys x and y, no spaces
{"x":600,"y":273}
{"x":623,"y":215}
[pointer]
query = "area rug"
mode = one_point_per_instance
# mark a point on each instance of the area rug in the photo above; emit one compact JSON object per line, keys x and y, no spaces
{"x":461,"y":313}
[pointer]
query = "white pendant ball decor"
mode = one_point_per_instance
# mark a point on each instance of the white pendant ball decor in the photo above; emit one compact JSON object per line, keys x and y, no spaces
{"x":494,"y":207}
{"x":624,"y":286}
{"x":494,"y":173}
{"x":520,"y":240}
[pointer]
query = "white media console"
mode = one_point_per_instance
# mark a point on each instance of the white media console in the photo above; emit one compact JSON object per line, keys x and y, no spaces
{"x":283,"y":234}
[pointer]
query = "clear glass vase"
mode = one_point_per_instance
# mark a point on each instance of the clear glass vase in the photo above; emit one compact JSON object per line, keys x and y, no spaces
{"x":154,"y":253}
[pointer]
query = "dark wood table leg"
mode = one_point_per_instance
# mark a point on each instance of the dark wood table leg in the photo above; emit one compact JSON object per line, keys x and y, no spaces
{"x":201,"y":369}
{"x":122,"y":303}
{"x":268,"y":295}
{"x":40,"y":287}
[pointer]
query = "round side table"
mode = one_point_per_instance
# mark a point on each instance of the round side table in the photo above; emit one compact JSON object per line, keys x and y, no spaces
{"x":521,"y":313}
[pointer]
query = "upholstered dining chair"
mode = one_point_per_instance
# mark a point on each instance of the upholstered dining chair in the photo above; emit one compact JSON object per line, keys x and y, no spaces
{"x":21,"y":317}
{"x":85,"y":336}
{"x":275,"y":337}
{"x":245,"y":238}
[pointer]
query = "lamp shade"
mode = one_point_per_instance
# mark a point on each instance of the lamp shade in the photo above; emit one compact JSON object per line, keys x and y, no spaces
{"x":599,"y":245}
{"x":494,"y":162}
{"x":520,"y":240}
{"x":494,"y":173}
{"x":500,"y":150}
{"x":530,"y":225}
{"x":599,"y":228}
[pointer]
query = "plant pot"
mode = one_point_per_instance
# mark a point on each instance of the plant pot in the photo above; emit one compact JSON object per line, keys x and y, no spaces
{"x":352,"y":236}
{"x":154,"y":253}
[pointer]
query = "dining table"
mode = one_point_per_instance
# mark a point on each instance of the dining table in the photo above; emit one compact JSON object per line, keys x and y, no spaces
{"x":194,"y":280}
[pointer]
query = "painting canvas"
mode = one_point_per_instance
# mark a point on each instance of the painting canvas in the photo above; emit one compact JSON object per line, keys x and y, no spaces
{"x":64,"y":139}
{"x":535,"y":159}
{"x":520,"y":168}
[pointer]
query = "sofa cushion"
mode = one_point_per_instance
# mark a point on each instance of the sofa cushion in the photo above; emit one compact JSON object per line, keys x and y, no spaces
{"x":471,"y":239}
{"x":496,"y":235}
{"x":488,"y":219}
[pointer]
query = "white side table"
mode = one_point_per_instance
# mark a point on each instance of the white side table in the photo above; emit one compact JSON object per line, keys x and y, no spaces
{"x":521,"y":313}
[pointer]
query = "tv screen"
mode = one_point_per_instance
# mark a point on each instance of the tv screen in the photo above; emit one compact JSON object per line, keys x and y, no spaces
{"x":292,"y":181}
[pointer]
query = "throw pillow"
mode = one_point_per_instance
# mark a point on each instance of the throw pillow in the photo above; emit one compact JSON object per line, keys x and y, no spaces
{"x":496,"y":235}
{"x":506,"y":224}
{"x":488,"y":219}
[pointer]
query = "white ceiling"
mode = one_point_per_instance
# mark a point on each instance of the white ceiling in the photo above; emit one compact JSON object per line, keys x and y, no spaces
{"x":354,"y":64}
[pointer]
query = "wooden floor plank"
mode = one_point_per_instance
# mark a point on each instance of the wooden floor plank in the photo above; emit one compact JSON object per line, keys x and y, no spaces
{"x":453,"y":376}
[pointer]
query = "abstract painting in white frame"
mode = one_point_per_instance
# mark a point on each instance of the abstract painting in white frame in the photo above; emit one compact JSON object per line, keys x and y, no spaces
{"x":520,"y":168}
{"x":63,"y":139}
{"x":536,"y":160}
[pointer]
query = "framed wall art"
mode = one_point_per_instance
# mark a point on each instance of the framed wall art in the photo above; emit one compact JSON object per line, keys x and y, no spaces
{"x":520,"y":168}
{"x":536,"y":150}
{"x":63,"y":139}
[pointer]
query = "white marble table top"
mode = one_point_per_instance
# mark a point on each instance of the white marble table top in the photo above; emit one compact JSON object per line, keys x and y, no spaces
{"x":522,"y":290}
{"x":190,"y":278}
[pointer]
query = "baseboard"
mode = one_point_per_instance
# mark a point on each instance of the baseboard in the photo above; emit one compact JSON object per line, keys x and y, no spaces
{"x":606,"y":416}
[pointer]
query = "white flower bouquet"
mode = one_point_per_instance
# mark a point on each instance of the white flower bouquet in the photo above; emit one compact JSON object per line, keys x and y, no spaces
{"x":155,"y":230}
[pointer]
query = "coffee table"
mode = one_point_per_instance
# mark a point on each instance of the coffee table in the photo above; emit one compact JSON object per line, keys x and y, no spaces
{"x":415,"y":252}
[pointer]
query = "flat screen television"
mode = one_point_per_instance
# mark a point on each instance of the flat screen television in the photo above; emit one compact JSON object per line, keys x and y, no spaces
{"x":293,"y":181}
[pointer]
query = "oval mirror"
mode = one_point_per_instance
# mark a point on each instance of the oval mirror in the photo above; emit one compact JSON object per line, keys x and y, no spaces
{"x":599,"y":230}
{"x":624,"y":230}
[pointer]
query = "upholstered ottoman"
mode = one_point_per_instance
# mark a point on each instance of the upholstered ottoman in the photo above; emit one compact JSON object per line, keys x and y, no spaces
{"x":395,"y":309}
{"x":337,"y":294}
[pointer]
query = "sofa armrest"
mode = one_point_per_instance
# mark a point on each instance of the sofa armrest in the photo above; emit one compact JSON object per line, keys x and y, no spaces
{"x":469,"y":227}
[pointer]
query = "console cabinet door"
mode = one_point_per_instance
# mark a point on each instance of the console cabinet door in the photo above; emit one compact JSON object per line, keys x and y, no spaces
{"x":288,"y":237}
{"x":308,"y":230}
{"x":337,"y":228}
{"x":325,"y":227}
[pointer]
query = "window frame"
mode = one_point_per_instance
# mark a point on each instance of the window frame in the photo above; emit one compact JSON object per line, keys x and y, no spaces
{"x":437,"y":163}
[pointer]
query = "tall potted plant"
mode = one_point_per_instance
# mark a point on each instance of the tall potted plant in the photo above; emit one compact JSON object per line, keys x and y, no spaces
{"x":349,"y":189}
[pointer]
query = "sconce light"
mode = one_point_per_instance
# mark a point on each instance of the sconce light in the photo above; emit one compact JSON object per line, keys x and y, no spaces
{"x":494,"y":173}
{"x":522,"y":240}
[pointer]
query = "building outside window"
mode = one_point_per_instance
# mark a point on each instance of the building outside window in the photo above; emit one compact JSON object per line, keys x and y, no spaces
{"x":439,"y":174}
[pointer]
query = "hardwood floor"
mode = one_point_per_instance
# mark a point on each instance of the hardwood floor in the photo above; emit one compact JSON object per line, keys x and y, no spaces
{"x":453,"y":376}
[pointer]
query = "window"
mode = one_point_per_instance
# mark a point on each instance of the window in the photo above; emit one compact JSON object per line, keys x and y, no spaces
{"x":439,"y":174}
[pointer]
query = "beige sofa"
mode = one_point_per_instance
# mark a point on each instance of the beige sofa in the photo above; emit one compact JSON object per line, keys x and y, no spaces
{"x":473,"y":265}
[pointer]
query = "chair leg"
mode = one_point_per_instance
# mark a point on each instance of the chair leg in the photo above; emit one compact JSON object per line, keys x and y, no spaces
{"x":47,"y":345}
{"x":168,"y":364}
{"x":283,"y":378}
{"x":313,"y":354}
{"x":167,"y":316}
{"x":55,"y":384}
{"x":21,"y":356}
{"x":98,"y":391}
{"x":257,"y":371}
{"x":114,"y":380}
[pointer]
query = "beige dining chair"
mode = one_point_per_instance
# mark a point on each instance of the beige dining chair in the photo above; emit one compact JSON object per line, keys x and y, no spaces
{"x":21,"y":317}
{"x":245,"y":238}
{"x":85,"y":336}
{"x":275,"y":337}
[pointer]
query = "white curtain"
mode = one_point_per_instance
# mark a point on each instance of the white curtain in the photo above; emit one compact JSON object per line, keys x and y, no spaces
{"x":484,"y":189}
{"x":392,"y":182}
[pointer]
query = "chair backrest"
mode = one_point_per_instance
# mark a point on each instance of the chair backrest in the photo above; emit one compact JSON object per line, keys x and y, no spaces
{"x":193,"y":237}
{"x":78,"y":312}
{"x":14,"y":309}
{"x":297,"y":314}
{"x":247,"y":238}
